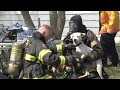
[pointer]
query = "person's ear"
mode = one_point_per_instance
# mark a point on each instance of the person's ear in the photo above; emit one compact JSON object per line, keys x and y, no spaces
{"x":44,"y":33}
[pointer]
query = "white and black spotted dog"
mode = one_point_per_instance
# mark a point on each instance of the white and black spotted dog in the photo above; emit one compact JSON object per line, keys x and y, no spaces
{"x":82,"y":51}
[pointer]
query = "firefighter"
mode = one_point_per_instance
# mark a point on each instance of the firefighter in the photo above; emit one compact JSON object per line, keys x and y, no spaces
{"x":89,"y":38}
{"x":59,"y":47}
{"x":39,"y":59}
{"x":109,"y":26}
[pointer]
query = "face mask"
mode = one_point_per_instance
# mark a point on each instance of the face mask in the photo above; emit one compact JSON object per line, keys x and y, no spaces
{"x":73,"y":26}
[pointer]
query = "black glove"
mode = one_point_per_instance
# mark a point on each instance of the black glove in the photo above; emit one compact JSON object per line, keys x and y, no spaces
{"x":70,"y":60}
{"x":70,"y":46}
{"x":87,"y":59}
{"x":92,"y":56}
{"x":67,"y":39}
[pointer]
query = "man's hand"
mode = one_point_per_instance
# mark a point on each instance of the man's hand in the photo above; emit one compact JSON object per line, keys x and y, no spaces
{"x":67,"y":41}
{"x":89,"y":58}
{"x":55,"y":71}
{"x":70,"y":46}
{"x":71,"y":60}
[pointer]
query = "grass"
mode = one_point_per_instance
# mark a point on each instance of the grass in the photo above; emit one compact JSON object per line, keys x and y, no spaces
{"x":114,"y":72}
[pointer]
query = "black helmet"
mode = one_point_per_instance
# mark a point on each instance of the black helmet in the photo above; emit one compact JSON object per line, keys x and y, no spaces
{"x":77,"y":19}
{"x":76,"y":24}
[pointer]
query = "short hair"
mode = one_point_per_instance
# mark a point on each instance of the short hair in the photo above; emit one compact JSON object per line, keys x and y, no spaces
{"x":47,"y":26}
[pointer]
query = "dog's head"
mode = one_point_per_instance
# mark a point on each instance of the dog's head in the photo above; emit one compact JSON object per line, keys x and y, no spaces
{"x":76,"y":37}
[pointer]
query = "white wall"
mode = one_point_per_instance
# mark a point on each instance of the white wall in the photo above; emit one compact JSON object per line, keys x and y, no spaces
{"x":90,"y":18}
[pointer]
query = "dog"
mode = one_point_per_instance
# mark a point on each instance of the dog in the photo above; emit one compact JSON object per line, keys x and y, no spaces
{"x":82,"y":51}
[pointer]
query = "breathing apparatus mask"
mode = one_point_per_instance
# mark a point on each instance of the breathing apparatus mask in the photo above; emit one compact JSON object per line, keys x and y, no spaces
{"x":73,"y":27}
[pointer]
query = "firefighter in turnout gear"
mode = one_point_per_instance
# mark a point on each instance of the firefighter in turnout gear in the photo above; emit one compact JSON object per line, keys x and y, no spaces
{"x":89,"y":38}
{"x":59,"y":47}
{"x":39,"y":59}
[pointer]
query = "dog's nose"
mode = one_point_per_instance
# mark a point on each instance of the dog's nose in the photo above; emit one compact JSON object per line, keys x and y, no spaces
{"x":74,"y":40}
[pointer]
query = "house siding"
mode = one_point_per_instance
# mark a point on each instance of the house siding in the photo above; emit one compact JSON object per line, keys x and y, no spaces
{"x":90,"y":19}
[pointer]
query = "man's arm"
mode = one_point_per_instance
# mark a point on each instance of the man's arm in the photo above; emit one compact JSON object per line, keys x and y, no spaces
{"x":95,"y":45}
{"x":113,"y":21}
{"x":46,"y":56}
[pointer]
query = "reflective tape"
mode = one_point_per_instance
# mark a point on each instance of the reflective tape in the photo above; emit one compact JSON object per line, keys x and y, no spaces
{"x":93,"y":43}
{"x":43,"y":53}
{"x":30,"y":57}
{"x":59,"y":48}
{"x":62,"y":60}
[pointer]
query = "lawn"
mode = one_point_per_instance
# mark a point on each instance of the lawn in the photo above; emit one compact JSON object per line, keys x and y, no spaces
{"x":114,"y":72}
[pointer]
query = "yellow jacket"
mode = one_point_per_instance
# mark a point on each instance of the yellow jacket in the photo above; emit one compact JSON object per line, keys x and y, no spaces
{"x":109,"y":22}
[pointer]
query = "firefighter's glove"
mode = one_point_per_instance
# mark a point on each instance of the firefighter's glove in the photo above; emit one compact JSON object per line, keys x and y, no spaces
{"x":89,"y":58}
{"x":70,"y":60}
{"x":67,"y":41}
{"x":86,"y":59}
{"x":70,"y":46}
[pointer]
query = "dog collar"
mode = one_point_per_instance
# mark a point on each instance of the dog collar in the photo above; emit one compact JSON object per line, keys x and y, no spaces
{"x":77,"y":44}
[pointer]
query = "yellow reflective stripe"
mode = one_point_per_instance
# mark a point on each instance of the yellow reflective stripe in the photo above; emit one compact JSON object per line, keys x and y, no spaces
{"x":59,"y":48}
{"x":27,"y":43}
{"x":93,"y":43}
{"x":30,"y":57}
{"x":47,"y":76}
{"x":62,"y":60}
{"x":42,"y":53}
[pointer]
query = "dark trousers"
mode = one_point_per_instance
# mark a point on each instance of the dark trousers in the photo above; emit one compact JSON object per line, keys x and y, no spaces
{"x":108,"y":44}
